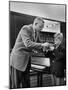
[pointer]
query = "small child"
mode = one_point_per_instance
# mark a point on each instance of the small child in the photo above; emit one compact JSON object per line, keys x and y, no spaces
{"x":57,"y":56}
{"x":57,"y":59}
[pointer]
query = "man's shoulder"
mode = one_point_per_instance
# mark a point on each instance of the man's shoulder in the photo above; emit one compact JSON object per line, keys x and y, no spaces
{"x":24,"y":27}
{"x":27,"y":27}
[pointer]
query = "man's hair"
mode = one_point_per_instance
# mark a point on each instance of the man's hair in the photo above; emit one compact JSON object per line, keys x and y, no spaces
{"x":38,"y":19}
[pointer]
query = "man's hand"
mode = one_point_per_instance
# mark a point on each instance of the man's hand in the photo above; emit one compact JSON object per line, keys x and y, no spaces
{"x":45,"y":46}
{"x":48,"y":47}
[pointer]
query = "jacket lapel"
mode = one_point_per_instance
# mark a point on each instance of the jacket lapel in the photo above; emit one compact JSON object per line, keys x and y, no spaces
{"x":33,"y":33}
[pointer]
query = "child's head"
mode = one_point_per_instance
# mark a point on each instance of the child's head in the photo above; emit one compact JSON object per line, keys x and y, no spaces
{"x":58,"y":37}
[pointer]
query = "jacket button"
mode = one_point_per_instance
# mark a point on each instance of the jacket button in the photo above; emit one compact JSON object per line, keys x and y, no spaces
{"x":53,"y":53}
{"x":53,"y":61}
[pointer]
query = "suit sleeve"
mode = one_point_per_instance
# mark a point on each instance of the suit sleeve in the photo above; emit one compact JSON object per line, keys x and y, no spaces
{"x":26,"y":37}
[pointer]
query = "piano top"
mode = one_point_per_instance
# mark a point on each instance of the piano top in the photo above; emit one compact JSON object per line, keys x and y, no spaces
{"x":42,"y":61}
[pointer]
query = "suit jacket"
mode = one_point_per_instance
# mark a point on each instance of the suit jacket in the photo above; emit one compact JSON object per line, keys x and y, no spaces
{"x":23,"y":48}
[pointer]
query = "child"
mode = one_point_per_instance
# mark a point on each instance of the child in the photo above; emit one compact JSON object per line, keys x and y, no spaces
{"x":57,"y":57}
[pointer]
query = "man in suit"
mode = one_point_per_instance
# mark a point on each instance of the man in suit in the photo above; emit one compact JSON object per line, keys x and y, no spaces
{"x":22,"y":51}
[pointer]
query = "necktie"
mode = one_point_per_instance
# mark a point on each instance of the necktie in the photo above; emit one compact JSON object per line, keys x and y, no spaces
{"x":36,"y":36}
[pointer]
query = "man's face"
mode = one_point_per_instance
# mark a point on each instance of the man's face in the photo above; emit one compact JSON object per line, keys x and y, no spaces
{"x":39,"y":26}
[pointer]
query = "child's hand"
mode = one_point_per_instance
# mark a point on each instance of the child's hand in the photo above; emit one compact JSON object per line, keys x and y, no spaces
{"x":51,"y":47}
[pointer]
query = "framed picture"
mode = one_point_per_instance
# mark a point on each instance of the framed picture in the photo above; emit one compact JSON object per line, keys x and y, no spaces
{"x":37,"y":44}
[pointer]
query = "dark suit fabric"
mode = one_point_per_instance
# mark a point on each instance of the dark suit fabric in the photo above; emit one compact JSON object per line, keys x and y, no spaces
{"x":57,"y":59}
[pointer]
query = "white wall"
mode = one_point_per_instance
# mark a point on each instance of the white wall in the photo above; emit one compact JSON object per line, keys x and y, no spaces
{"x":50,"y":11}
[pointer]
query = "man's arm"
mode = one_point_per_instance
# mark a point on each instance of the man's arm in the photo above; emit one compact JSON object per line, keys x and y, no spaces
{"x":25,"y":34}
